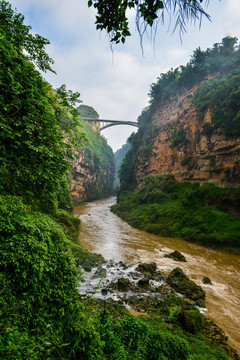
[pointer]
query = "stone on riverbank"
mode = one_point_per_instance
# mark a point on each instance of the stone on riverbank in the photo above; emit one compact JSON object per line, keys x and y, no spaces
{"x":180,"y":283}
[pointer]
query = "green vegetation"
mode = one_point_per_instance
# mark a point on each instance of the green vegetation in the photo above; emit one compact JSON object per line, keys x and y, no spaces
{"x":127,"y":169}
{"x":221,"y":59}
{"x":99,"y":158}
{"x":187,"y":210}
{"x":178,"y":137}
{"x":221,"y":96}
{"x":32,"y":116}
{"x":216,"y":71}
{"x":114,"y":16}
{"x":186,"y":160}
{"x":41,"y":315}
{"x":86,"y":111}
{"x":178,"y":336}
{"x":38,"y":282}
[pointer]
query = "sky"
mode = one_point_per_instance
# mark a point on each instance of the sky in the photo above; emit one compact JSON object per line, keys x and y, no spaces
{"x":116,"y":82}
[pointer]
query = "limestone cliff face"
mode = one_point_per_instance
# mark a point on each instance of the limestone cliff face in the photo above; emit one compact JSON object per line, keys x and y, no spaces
{"x":201,"y":154}
{"x":93,"y":167}
{"x":81,"y":176}
{"x":88,"y":181}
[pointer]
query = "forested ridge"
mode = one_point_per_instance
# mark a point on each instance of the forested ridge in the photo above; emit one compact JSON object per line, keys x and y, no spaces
{"x":41,"y":315}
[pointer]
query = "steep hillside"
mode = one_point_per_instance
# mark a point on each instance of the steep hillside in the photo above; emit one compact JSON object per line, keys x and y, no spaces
{"x":188,"y":137}
{"x":192,"y":126}
{"x":188,"y":148}
{"x":93,"y":168}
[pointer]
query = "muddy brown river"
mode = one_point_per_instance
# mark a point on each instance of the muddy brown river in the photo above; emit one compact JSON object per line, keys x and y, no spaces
{"x":105,"y":233}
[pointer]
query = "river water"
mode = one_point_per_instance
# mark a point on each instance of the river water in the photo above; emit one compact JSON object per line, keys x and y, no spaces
{"x":105,"y":233}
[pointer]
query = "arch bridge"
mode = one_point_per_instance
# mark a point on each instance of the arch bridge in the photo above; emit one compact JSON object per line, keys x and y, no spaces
{"x":101,"y":124}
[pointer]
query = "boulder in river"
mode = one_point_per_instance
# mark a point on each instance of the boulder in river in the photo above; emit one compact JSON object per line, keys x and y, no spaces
{"x":176,"y":255}
{"x":123,"y":284}
{"x":100,"y":273}
{"x":144,"y":282}
{"x":180,"y":283}
{"x":206,"y":280}
{"x":148,"y":268}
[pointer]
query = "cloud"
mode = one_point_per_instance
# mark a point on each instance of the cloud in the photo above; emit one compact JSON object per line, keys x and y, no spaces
{"x":115,"y":84}
{"x":231,"y":19}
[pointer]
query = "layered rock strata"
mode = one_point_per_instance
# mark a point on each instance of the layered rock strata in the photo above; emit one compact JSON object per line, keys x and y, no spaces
{"x":204,"y":155}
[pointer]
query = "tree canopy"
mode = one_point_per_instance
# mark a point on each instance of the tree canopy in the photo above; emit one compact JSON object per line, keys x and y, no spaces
{"x":33,"y":117}
{"x":113,"y":15}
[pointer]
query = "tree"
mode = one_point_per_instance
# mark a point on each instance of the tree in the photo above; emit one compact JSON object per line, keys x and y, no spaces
{"x":33,"y":147}
{"x":228,"y":44}
{"x":113,"y":17}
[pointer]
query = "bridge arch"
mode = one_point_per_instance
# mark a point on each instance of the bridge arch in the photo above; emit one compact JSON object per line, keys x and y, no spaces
{"x":108,"y":123}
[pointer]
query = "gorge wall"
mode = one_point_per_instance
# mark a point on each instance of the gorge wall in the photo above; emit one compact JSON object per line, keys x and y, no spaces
{"x":188,"y":148}
{"x":92,"y":172}
{"x":191,"y":128}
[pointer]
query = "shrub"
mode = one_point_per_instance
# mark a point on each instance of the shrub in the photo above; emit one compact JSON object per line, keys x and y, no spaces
{"x":38,"y":276}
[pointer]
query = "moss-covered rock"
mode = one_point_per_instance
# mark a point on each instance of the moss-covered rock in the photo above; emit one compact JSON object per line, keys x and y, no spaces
{"x":147,"y":268}
{"x":176,"y":255}
{"x":191,"y":319}
{"x":180,"y":282}
{"x":144,"y":282}
{"x":100,"y":273}
{"x":123,"y":284}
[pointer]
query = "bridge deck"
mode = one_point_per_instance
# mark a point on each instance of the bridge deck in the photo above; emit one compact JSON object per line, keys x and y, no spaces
{"x":111,"y":121}
{"x":108,"y":123}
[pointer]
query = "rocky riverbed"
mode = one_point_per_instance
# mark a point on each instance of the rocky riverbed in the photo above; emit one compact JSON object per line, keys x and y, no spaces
{"x":145,"y":290}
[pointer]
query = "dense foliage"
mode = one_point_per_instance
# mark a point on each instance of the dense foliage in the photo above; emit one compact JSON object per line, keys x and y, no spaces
{"x":41,"y":316}
{"x":31,"y":115}
{"x":86,"y":111}
{"x":221,"y":96}
{"x":187,"y":210}
{"x":141,"y":339}
{"x":38,"y":281}
{"x":112,"y":16}
{"x":220,"y":59}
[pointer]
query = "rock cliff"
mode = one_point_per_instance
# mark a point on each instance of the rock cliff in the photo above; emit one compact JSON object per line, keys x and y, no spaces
{"x":92,"y":172}
{"x":188,"y":148}
{"x":89,"y":182}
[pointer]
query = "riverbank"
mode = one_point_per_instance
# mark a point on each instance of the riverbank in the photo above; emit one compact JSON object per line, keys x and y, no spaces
{"x":207,"y":214}
{"x":168,"y":304}
{"x":105,"y":233}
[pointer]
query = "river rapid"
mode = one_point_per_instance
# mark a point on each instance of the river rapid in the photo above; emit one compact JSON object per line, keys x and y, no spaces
{"x":105,"y":233}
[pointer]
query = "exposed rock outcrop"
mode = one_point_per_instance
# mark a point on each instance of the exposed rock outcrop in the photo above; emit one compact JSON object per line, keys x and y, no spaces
{"x":92,"y":172}
{"x":202,"y":155}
